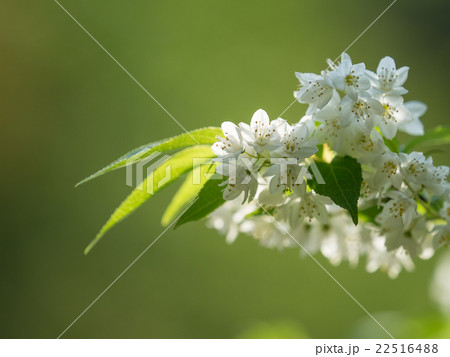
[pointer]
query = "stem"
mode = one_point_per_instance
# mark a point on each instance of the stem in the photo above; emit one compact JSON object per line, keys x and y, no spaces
{"x":424,"y":202}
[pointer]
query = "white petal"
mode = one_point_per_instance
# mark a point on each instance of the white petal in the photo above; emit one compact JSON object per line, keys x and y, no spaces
{"x":398,"y":91}
{"x":416,"y":108}
{"x":376,"y":106}
{"x":363,"y":83}
{"x":402,"y":74}
{"x":246,"y":132}
{"x":351,"y":92}
{"x":316,"y":92}
{"x":408,"y":217}
{"x":345,"y":57}
{"x":275,"y":198}
{"x":346,"y":114}
{"x":345,"y":66}
{"x":232,"y":233}
{"x":306,"y":151}
{"x":307,"y":77}
{"x":395,"y":100}
{"x":327,"y":113}
{"x":281,"y":126}
{"x":338,"y":80}
{"x":414,"y":127}
{"x":308,"y":122}
{"x":403,"y":115}
{"x":230,"y":193}
{"x":229,"y":128}
{"x":259,"y":118}
{"x":275,"y":186}
{"x":232,"y":132}
{"x":397,"y":180}
{"x":217,"y":149}
{"x":373,"y":77}
{"x":358,"y":69}
{"x":387,"y":63}
{"x":322,"y":214}
{"x":389,"y":130}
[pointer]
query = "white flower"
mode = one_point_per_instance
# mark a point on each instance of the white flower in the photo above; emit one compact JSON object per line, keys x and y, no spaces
{"x":314,"y":89}
{"x":352,"y":111}
{"x":297,"y":145}
{"x":267,"y":232}
{"x":388,"y":79}
{"x":413,"y":168}
{"x":414,"y":238}
{"x":232,"y":145}
{"x":291,"y":177}
{"x":392,"y":262}
{"x":265,"y":197}
{"x":261,"y":134}
{"x":342,"y":241}
{"x":331,"y":124}
{"x":441,"y":236}
{"x":241,"y":178}
{"x":228,"y":217}
{"x":369,"y":186}
{"x":361,"y":144}
{"x":398,"y":212}
{"x":395,"y":114}
{"x":310,"y":206}
{"x":309,"y":235}
{"x":415,"y":126}
{"x":296,"y":140}
{"x":362,"y":111}
{"x":419,"y":171}
{"x":350,"y":78}
{"x":436,"y":179}
{"x":388,"y":170}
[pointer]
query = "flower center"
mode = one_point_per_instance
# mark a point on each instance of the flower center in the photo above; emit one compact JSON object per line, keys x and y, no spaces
{"x":389,"y":168}
{"x":350,"y":80}
{"x":387,"y":77}
{"x":360,"y":110}
{"x":397,"y":209}
{"x":389,"y":112}
{"x":416,"y":167}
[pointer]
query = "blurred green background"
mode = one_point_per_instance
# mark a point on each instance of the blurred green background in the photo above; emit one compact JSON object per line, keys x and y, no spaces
{"x":67,"y":110}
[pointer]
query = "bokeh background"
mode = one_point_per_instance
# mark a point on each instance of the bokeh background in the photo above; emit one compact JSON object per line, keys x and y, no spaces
{"x":66,"y":110}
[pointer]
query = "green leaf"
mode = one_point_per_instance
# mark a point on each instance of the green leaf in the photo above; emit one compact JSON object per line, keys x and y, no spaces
{"x":188,"y":191}
{"x":343,"y":179}
{"x":438,"y":136}
{"x":209,"y":199}
{"x":393,"y":145}
{"x":177,"y":165}
{"x":199,"y":136}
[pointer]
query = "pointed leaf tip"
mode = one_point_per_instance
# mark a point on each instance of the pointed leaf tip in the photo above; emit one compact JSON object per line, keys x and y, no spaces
{"x":343,"y":180}
{"x":178,"y":164}
{"x":195,"y":137}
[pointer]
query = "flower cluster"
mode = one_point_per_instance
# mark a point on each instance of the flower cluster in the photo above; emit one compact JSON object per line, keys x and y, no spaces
{"x":404,"y":205}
